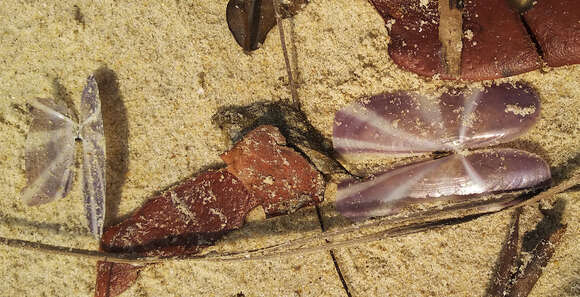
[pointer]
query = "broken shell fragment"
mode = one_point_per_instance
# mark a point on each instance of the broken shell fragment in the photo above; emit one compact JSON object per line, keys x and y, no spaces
{"x":49,"y":157}
{"x":453,"y":177}
{"x":407,"y":123}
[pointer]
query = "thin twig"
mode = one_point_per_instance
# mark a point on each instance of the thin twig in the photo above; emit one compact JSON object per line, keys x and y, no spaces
{"x":280,"y":23}
{"x":429,"y":215}
{"x":132,"y":258}
{"x":283,"y":249}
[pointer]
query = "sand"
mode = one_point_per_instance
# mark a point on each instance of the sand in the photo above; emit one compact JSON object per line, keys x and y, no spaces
{"x":168,"y":67}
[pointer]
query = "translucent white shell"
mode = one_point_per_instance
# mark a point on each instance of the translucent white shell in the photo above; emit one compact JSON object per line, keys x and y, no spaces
{"x":50,"y":154}
{"x":93,"y":137}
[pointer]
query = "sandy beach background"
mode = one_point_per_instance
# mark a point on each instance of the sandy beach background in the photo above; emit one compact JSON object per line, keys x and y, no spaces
{"x":166,"y":67}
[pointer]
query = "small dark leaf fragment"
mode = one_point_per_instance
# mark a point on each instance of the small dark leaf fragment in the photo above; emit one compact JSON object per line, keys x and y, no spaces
{"x":251,"y":20}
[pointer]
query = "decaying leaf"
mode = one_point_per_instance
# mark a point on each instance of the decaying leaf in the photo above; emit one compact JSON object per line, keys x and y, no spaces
{"x":495,"y":41}
{"x":279,"y":177}
{"x":508,"y":258}
{"x":251,"y":20}
{"x":541,"y":255}
{"x":235,"y":121}
{"x":261,"y":171}
{"x":556,"y":27}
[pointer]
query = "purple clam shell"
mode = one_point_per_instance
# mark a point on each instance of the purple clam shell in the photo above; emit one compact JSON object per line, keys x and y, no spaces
{"x":453,"y":177}
{"x":406,"y":123}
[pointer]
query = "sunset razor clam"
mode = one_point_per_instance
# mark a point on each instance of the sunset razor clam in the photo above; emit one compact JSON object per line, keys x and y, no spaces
{"x":408,"y":123}
{"x":50,"y":154}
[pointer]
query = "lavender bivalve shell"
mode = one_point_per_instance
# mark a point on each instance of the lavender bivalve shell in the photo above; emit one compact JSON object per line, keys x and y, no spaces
{"x":456,"y":177}
{"x":408,"y":123}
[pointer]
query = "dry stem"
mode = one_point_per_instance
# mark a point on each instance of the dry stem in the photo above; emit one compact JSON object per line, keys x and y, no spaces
{"x":284,"y":249}
{"x":280,"y":23}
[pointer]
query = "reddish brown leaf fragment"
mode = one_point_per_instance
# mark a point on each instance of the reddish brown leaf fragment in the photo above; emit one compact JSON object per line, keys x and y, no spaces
{"x":542,"y":254}
{"x":495,"y":42}
{"x":278,"y":176}
{"x":414,"y":31}
{"x":213,"y":202}
{"x":113,"y":278}
{"x":556,"y":26}
{"x":178,"y":222}
{"x":200,"y":210}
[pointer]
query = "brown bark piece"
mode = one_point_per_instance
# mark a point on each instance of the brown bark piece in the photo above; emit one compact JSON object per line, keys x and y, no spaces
{"x":178,"y":222}
{"x":556,"y":26}
{"x":414,"y":31}
{"x":278,"y":176}
{"x":508,"y":258}
{"x":542,"y":254}
{"x":495,"y":42}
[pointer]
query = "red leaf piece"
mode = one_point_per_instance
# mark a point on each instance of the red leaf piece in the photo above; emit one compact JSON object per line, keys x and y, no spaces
{"x":556,"y":25}
{"x":414,"y":34}
{"x":113,"y":278}
{"x":278,"y":176}
{"x":200,"y":210}
{"x":497,"y":44}
{"x":178,"y":222}
{"x":495,"y":41}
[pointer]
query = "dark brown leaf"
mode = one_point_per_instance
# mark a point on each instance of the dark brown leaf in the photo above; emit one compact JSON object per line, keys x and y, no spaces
{"x":414,"y":33}
{"x":495,"y":42}
{"x":178,"y":222}
{"x":251,"y":20}
{"x":197,"y":212}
